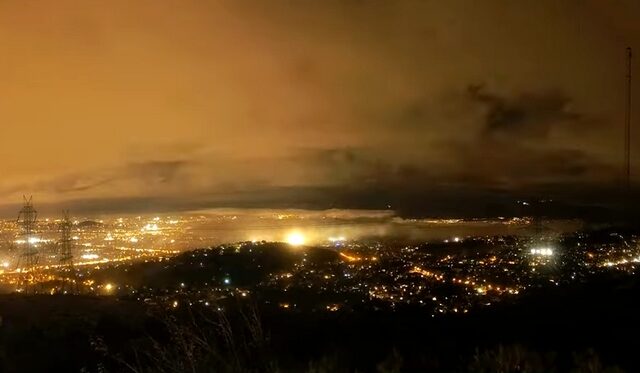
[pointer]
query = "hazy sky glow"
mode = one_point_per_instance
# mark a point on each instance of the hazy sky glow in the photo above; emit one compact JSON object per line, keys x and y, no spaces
{"x":145,"y":105}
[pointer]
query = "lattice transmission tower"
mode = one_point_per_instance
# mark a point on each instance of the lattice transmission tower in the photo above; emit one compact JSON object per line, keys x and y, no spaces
{"x":29,"y":256}
{"x":67,"y":270}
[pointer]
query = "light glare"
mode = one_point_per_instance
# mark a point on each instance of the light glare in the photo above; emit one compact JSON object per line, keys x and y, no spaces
{"x":295,"y":239}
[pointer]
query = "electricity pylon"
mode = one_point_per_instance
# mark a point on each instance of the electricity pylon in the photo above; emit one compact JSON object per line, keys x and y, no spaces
{"x":29,"y":255}
{"x":67,"y":270}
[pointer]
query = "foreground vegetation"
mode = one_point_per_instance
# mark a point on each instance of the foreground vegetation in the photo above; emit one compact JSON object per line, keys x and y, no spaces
{"x":584,"y":328}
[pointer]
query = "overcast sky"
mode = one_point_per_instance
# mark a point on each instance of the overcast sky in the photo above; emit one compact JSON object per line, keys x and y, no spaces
{"x":128,"y":105}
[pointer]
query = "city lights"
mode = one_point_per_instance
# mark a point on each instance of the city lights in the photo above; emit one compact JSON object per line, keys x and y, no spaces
{"x":543,"y":251}
{"x":295,"y":239}
{"x":392,"y":273}
{"x":151,"y":228}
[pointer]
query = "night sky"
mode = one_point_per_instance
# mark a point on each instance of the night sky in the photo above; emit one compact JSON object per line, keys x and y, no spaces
{"x":430,"y":107}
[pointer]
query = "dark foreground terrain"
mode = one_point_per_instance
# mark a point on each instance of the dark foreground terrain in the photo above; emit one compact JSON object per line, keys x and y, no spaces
{"x":590,"y":327}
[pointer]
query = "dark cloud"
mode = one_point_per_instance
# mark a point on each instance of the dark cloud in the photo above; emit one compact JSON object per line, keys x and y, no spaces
{"x":157,"y":171}
{"x":528,"y":114}
{"x":351,"y":103}
{"x":363,"y":167}
{"x":151,"y":176}
{"x":514,"y":166}
{"x":77,"y":183}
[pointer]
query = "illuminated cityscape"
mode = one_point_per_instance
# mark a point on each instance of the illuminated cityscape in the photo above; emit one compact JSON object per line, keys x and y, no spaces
{"x":457,"y":274}
{"x":329,"y":186}
{"x":442,"y":277}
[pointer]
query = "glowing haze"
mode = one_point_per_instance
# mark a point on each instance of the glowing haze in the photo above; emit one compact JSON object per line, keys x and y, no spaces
{"x":162,"y":105}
